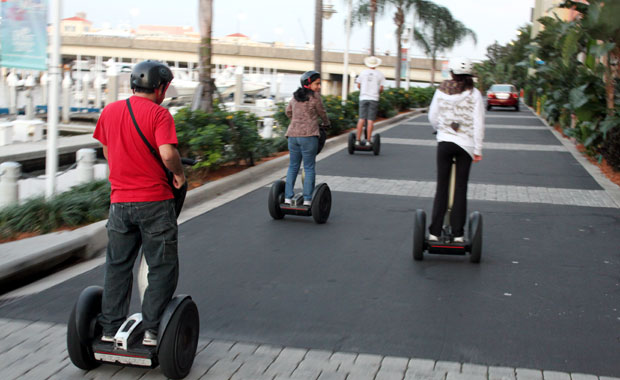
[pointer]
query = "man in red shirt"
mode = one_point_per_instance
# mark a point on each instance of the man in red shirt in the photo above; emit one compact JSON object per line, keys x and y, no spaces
{"x":142,"y":210}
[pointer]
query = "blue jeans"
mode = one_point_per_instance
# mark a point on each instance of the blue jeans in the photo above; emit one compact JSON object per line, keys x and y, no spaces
{"x":301,"y":148}
{"x":131,"y":225}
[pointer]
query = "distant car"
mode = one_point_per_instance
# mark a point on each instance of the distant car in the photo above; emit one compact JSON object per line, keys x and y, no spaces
{"x":502,"y":95}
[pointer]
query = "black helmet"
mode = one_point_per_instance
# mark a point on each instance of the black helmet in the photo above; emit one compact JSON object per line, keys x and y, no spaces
{"x":309,"y":77}
{"x":150,"y":75}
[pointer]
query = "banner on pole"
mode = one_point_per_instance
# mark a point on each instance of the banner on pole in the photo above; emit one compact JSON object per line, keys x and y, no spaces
{"x":23,"y":34}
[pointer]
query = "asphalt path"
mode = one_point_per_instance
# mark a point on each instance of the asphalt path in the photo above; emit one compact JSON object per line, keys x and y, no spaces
{"x":546,"y":294}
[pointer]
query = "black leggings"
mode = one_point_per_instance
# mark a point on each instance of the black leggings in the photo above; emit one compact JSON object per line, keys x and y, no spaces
{"x":445,"y":152}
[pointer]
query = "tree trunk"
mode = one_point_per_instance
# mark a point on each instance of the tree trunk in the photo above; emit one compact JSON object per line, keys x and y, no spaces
{"x":399,"y":20}
{"x":373,"y":11}
{"x":205,"y":13}
{"x":318,"y":34}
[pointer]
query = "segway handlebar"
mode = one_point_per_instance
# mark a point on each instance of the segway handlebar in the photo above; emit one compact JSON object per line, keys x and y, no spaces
{"x":188,"y":161}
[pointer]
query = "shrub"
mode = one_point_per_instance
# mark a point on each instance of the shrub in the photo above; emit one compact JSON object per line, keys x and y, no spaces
{"x":83,"y":204}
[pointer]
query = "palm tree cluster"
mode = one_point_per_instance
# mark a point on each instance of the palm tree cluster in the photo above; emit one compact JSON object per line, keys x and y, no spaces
{"x":438,"y":30}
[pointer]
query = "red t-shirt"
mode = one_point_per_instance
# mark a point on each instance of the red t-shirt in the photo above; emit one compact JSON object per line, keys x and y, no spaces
{"x":135,"y":174}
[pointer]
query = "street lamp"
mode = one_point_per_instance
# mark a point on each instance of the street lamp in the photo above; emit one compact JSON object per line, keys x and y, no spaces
{"x":328,"y":10}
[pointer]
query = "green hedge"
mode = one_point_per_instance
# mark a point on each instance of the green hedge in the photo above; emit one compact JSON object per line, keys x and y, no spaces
{"x":81,"y":205}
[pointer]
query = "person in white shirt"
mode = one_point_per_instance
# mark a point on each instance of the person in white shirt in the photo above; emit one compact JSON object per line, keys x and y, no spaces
{"x":370,"y":82}
{"x":457,"y":114}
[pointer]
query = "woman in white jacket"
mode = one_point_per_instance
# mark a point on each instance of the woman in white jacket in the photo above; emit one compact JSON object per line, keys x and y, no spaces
{"x":457,"y":114}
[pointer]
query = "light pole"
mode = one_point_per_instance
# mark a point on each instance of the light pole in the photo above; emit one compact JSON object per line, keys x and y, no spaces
{"x":345,"y":74}
{"x":51,"y":158}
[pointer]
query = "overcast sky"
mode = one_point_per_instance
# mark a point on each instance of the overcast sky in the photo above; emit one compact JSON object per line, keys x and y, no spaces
{"x":292,"y":21}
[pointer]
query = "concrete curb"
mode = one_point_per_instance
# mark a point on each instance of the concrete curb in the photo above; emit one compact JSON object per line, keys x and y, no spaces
{"x":26,"y":257}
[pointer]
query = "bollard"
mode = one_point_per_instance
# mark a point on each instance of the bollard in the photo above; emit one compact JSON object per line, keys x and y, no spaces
{"x":11,"y":81}
{"x":6,"y":133}
{"x":267,"y":127}
{"x":85,"y":159}
{"x":66,"y":98}
{"x":9,"y":174}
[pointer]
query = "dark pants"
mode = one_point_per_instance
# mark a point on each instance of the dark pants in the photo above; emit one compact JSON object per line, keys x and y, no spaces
{"x":152,"y":226}
{"x":445,"y":152}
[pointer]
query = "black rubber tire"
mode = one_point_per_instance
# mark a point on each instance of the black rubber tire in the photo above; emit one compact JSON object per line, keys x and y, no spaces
{"x":419,"y":226}
{"x":276,"y":197}
{"x":376,"y":144}
{"x":351,"y":146}
{"x":81,"y":354}
{"x":475,"y":236}
{"x":178,"y":345}
{"x":321,"y":204}
{"x":488,"y":107}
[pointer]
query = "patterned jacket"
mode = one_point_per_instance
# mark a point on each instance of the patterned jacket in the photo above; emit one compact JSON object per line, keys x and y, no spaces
{"x":305,"y":116}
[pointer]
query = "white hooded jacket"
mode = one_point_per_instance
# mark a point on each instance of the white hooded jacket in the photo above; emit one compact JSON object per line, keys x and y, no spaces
{"x":466,"y":109}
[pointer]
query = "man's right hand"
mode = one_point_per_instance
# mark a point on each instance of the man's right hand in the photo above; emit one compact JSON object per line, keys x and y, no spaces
{"x":178,"y":181}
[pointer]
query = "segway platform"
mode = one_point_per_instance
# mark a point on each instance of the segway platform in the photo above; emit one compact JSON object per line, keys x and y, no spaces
{"x":373,"y":146}
{"x":445,"y":245}
{"x":319,"y":208}
{"x":176,"y":345}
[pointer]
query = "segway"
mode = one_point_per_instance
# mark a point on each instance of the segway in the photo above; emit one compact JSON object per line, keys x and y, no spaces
{"x":365,"y":146}
{"x":446,"y":244}
{"x":321,"y":204}
{"x":177,"y":335}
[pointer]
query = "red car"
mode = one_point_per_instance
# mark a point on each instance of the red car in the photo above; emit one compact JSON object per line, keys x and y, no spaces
{"x":502,"y":95}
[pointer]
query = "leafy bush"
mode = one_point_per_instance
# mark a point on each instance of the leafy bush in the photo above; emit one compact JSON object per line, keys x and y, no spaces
{"x":81,"y":205}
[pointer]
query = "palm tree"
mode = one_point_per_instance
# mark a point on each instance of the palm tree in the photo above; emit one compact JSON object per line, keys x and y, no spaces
{"x":206,"y":87}
{"x":367,"y":9}
{"x":439,"y":32}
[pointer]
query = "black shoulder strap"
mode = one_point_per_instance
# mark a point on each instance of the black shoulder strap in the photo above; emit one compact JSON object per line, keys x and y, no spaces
{"x":135,"y":123}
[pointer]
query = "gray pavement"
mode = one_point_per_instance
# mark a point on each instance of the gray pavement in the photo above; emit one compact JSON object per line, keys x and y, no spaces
{"x":293,"y":300}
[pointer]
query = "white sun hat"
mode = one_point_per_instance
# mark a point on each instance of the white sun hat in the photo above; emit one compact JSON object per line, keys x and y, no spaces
{"x":372,"y":61}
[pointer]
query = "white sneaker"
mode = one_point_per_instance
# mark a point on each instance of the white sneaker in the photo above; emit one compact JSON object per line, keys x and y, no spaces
{"x":307,"y":203}
{"x":150,"y":338}
{"x":287,"y":201}
{"x":459,"y":239}
{"x":432,"y":237}
{"x":107,"y":338}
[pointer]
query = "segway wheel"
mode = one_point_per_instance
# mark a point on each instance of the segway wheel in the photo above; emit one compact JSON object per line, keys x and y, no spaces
{"x":276,"y":197}
{"x":321,"y":204}
{"x":376,"y":144}
{"x":79,"y":334}
{"x":351,"y":146}
{"x":475,"y":236}
{"x":177,"y":348}
{"x":419,"y":226}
